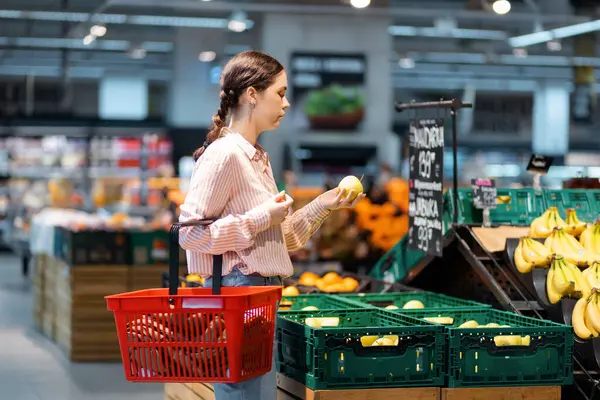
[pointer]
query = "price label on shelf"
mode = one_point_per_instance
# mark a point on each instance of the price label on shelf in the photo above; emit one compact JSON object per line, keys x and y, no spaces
{"x":426,"y":163}
{"x":484,"y":193}
{"x":539,"y":164}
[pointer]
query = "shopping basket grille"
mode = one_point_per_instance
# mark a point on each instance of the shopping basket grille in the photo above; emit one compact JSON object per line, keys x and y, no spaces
{"x":196,"y":334}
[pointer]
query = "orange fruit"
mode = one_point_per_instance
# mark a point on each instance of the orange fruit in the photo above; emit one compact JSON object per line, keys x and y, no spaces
{"x":321,"y":285}
{"x":336,"y":288}
{"x":308,"y":279}
{"x":350,"y":284}
{"x":331,"y":277}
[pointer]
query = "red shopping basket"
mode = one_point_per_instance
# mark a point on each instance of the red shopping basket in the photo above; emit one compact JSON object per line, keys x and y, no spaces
{"x":218,"y":335}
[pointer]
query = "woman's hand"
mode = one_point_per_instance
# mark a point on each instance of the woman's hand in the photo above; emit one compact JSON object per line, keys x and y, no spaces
{"x":279,"y":207}
{"x":337,"y":198}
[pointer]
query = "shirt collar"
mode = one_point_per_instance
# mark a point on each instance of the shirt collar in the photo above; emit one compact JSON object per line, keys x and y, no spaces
{"x":253,"y":152}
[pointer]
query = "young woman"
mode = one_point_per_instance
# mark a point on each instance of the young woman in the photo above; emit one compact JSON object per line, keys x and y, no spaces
{"x":233,"y":184}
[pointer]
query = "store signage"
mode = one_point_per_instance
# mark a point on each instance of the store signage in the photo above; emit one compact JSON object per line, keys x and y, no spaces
{"x":484,"y":193}
{"x":539,"y":164}
{"x":327,"y":90}
{"x":426,"y":178}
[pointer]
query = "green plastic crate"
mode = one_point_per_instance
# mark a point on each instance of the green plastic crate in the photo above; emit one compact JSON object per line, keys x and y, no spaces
{"x":525,"y":205}
{"x":467,"y":213}
{"x":392,"y":267}
{"x":334,"y":357}
{"x":430,"y":300}
{"x":584,"y":201}
{"x":475,"y":361}
{"x":321,"y":301}
{"x":149,"y":247}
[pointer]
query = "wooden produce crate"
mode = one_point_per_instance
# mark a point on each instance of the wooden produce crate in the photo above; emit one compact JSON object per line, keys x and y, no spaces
{"x":38,"y":290}
{"x":189,"y":391}
{"x":85,"y":329}
{"x":289,"y":389}
{"x":148,"y":276}
{"x":296,"y":390}
{"x":52,"y":271}
{"x":503,"y":393}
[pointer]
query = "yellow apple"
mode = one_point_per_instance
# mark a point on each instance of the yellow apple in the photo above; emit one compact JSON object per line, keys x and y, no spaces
{"x":310,"y":308}
{"x":290,"y":291}
{"x":351,"y":183}
{"x":413,"y":304}
{"x":391,"y":307}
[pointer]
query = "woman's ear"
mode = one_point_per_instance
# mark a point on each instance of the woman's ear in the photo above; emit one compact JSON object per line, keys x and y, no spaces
{"x":251,"y":94}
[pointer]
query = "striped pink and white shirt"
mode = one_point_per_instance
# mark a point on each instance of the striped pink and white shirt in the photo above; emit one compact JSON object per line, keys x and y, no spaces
{"x":230,"y":183}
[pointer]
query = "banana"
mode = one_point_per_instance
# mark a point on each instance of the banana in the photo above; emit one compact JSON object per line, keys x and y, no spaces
{"x":586,"y":237}
{"x":581,"y":284}
{"x":592,"y":313}
{"x":562,"y":285}
{"x":578,"y":320}
{"x":522,"y":265}
{"x":588,"y":325}
{"x":570,"y":277}
{"x":556,"y":219}
{"x":539,"y":227}
{"x":536,"y":253}
{"x":595,"y":240}
{"x":553,"y":296}
{"x":592,"y":274}
{"x":562,"y":243}
{"x":574,"y":226}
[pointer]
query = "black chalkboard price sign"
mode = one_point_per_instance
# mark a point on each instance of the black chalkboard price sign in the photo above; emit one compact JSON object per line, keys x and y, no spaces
{"x":426,"y":161}
{"x":484,"y":193}
{"x":539,"y":164}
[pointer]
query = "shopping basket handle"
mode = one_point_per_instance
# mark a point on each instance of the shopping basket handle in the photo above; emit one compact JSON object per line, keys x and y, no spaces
{"x":174,"y":258}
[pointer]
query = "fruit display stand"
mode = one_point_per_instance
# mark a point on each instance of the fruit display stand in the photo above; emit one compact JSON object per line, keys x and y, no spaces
{"x":76,"y":272}
{"x":476,"y":268}
{"x":289,"y":389}
{"x":73,"y":309}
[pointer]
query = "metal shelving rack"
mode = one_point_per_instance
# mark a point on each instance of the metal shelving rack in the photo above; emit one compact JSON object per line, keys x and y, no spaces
{"x":16,"y":239}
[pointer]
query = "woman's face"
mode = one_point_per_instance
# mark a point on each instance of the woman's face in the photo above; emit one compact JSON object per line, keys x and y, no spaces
{"x":271,"y":104}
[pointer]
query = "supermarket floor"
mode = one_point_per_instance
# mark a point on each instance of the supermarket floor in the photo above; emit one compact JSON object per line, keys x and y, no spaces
{"x":33,"y":368}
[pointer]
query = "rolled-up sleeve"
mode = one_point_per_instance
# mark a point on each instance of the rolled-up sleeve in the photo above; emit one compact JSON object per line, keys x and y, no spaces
{"x":302,"y":224}
{"x":211,"y":187}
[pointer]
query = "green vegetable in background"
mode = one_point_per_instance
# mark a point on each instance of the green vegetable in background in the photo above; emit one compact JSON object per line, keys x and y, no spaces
{"x":333,"y":100}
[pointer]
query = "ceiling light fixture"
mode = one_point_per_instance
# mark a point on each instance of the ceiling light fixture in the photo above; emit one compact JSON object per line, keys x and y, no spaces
{"x":88,"y":39}
{"x":554,"y":45}
{"x":360,"y":3}
{"x":238,"y":22}
{"x":501,"y":7}
{"x":406,"y":63}
{"x":98,"y":30}
{"x":207,"y":56}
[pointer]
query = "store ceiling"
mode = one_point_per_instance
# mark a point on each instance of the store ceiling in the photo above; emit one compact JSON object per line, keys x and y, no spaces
{"x":22,"y":39}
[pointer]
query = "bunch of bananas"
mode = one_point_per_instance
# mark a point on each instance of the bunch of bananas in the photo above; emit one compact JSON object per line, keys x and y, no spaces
{"x":531,"y":254}
{"x":542,"y":226}
{"x":560,"y":242}
{"x":590,"y":238}
{"x":573,"y":225}
{"x":565,"y":280}
{"x":586,"y":316}
{"x":592,"y":274}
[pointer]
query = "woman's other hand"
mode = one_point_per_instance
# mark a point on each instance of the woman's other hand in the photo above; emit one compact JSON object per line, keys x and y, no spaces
{"x":279,"y":207}
{"x":337,"y":198}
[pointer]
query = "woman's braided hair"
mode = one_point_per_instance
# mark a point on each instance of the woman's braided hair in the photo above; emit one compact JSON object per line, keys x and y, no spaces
{"x":247,"y":69}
